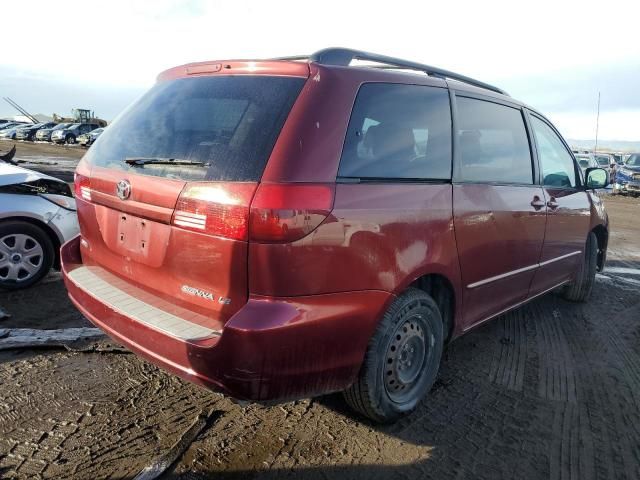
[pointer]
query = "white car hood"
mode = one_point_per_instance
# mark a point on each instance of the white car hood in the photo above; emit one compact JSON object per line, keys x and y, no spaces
{"x":11,"y":175}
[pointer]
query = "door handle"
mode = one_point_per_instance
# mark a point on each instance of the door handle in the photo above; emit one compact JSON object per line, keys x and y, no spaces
{"x":537,"y":203}
{"x":552,"y":204}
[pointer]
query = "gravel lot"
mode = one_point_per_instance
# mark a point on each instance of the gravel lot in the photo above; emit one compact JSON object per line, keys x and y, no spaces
{"x":551,"y":390}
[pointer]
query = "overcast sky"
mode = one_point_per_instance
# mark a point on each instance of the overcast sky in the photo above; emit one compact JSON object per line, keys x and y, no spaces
{"x":553,"y":55}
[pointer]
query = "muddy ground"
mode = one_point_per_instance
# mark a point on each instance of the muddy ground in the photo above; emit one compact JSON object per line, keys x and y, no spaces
{"x":551,"y":390}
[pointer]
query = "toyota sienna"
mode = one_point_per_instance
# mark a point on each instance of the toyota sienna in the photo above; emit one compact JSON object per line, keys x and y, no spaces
{"x":286,"y":228}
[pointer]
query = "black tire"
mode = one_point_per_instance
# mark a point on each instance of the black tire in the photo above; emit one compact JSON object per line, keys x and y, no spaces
{"x":38,"y":267}
{"x":580,"y":289}
{"x":70,"y":139}
{"x":386,"y":389}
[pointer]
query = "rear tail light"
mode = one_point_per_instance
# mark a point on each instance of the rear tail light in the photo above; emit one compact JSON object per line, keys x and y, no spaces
{"x":288,"y":212}
{"x":81,"y":186}
{"x":278,"y":212}
{"x":220,"y":209}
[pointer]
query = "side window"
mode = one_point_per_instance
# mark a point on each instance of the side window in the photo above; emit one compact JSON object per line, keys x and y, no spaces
{"x":558,"y":169}
{"x":398,"y":131}
{"x":493,"y":143}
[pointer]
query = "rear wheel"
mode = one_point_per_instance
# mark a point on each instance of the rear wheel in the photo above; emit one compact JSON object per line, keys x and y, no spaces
{"x":580,"y":289}
{"x":26,"y":254}
{"x":402,"y":359}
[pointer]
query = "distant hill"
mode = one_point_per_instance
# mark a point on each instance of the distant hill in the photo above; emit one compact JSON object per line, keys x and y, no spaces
{"x":611,"y":145}
{"x":39,"y":116}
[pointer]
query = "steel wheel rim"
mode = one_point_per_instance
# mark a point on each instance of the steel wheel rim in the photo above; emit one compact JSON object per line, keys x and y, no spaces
{"x":21,"y":257}
{"x":406,"y":355}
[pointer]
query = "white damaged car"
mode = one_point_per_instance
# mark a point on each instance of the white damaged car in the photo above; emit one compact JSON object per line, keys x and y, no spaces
{"x":37,"y":215}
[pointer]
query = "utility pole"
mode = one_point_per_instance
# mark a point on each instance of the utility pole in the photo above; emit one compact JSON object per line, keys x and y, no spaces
{"x":595,"y":150}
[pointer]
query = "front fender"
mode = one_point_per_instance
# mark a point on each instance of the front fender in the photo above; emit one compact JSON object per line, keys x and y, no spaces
{"x":62,"y":222}
{"x":599,"y":215}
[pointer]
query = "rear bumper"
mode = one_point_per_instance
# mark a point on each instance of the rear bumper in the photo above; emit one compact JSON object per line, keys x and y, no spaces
{"x":272,"y":349}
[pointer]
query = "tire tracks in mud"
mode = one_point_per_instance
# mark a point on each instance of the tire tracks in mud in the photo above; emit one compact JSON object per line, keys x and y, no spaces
{"x":508,"y":363}
{"x":84,"y":424}
{"x":557,"y":378}
{"x":592,"y":397}
{"x":588,"y":435}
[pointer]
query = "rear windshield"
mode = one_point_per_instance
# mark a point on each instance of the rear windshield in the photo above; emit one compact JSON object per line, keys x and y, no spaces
{"x":225,"y":127}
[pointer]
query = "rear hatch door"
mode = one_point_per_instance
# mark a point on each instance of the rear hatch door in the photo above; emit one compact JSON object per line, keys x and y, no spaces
{"x":165,"y":190}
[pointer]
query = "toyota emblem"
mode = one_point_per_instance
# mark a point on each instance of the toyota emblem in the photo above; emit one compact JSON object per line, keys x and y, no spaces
{"x":123,"y":189}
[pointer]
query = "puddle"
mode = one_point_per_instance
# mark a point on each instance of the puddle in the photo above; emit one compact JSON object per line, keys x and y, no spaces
{"x":623,"y":270}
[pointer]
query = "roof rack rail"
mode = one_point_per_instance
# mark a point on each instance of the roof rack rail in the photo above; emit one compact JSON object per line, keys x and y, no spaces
{"x":344,"y":56}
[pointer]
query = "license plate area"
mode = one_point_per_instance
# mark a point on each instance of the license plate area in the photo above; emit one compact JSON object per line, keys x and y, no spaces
{"x":133,"y":233}
{"x":136,"y":239}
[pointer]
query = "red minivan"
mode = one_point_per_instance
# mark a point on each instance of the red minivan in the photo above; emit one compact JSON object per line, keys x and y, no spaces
{"x":286,"y":228}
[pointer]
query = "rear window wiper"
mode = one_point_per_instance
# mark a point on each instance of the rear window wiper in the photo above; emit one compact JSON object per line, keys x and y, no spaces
{"x":141,"y":161}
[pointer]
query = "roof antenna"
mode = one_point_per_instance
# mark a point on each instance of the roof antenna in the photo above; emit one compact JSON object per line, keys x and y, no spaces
{"x":595,"y":150}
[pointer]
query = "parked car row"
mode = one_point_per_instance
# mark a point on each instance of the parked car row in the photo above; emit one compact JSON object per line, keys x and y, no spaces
{"x":28,"y":132}
{"x":613,"y":163}
{"x":618,"y":157}
{"x":44,"y":134}
{"x":68,"y":133}
{"x":71,"y":133}
{"x":8,"y":130}
{"x":9,"y":124}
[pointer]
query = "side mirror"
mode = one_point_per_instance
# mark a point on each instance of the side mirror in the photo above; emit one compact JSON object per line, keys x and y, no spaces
{"x":596,"y":178}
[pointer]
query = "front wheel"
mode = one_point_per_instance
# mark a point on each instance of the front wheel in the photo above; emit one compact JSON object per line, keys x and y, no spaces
{"x":26,"y":254}
{"x":580,"y":289}
{"x":402,"y":359}
{"x":70,"y":139}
